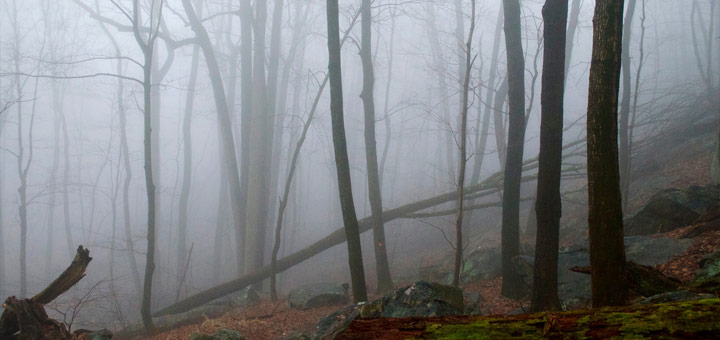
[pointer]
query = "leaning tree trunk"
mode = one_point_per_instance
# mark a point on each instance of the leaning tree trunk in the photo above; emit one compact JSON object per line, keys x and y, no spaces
{"x":381,"y":261}
{"x":607,"y":251}
{"x":512,"y":283}
{"x":548,"y":204}
{"x":352,"y":229}
{"x":229,"y":158}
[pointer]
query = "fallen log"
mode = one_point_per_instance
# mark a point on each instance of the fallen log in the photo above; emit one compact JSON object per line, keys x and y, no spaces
{"x":490,"y":185}
{"x":645,"y":280}
{"x":676,"y":320}
{"x":28,"y":315}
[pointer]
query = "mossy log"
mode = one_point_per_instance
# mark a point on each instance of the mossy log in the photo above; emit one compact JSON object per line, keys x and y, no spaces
{"x":677,"y":320}
{"x":28,"y":315}
{"x":645,"y":280}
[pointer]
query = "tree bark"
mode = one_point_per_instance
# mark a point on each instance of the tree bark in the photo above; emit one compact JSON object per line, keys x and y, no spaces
{"x":512,"y":283}
{"x":352,"y":229}
{"x":9,"y":323}
{"x":463,"y":151}
{"x":548,"y":205}
{"x":607,"y":251}
{"x":384,"y":279}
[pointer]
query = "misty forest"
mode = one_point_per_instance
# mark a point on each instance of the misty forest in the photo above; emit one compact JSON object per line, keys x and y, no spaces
{"x":367,"y":169}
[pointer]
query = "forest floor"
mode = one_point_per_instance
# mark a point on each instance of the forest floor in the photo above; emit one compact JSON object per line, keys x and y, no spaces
{"x":275,"y":320}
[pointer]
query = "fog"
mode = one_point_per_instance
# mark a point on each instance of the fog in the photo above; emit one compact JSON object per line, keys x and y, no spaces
{"x":64,"y":121}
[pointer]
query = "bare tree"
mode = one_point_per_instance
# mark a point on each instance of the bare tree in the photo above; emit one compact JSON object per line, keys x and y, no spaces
{"x":368,"y":97}
{"x":352,"y":229}
{"x":463,"y":150}
{"x":512,"y":283}
{"x":607,"y":251}
{"x":548,"y":206}
{"x":146,"y":42}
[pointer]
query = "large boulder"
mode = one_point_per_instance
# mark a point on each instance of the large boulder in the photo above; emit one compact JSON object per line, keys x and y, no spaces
{"x":671,"y":209}
{"x":244,"y":298}
{"x":651,"y":251}
{"x":318,"y":295}
{"x":709,"y":267}
{"x":480,"y":264}
{"x":421,"y":299}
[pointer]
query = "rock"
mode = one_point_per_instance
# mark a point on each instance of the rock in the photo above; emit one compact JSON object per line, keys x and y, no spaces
{"x":421,"y":299}
{"x":332,"y":325}
{"x":220,"y":334}
{"x":318,"y":295}
{"x":709,"y":267}
{"x":244,"y":298}
{"x":652,"y":251}
{"x":480,"y":264}
{"x":437,"y":273}
{"x":671,"y":209}
{"x":680,"y":295}
{"x":475,"y":304}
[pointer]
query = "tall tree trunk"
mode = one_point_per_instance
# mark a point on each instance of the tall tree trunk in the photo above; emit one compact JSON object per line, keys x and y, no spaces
{"x":607,"y":252}
{"x":261,"y":128}
{"x":625,"y":102}
{"x":384,"y":283}
{"x":246,"y":98}
{"x":181,"y":253}
{"x":512,"y":283}
{"x":150,"y":188}
{"x":352,"y":229}
{"x":463,"y":150}
{"x":223,"y":115}
{"x":548,"y":205}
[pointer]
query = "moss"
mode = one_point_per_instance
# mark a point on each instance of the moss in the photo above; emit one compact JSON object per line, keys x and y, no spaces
{"x":673,"y":320}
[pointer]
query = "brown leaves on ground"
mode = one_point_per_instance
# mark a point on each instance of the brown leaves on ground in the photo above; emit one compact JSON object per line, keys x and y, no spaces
{"x":685,"y":265}
{"x":265,"y":321}
{"x":494,"y":302}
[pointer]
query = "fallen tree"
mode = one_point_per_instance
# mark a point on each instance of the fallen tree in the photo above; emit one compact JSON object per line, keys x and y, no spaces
{"x":28,"y":316}
{"x":676,"y":320}
{"x":489,"y":186}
